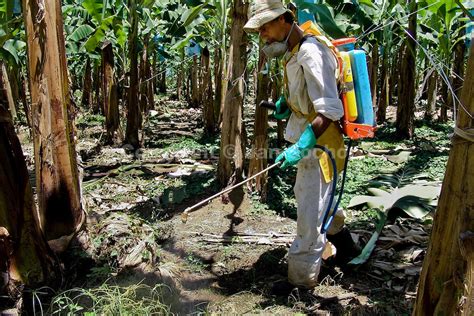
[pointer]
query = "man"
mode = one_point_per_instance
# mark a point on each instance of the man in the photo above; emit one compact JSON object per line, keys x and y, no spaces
{"x":312,"y":95}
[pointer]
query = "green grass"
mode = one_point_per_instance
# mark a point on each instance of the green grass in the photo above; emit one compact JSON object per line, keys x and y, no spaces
{"x":107,"y":299}
{"x":281,"y":197}
{"x":89,"y":119}
{"x":359,"y":172}
{"x":259,"y":208}
{"x":196,"y":264}
{"x":100,"y":273}
{"x":175,"y":191}
{"x":437,"y":167}
{"x":184,"y":143}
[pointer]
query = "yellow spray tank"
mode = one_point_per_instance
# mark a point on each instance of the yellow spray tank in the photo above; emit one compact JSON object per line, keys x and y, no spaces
{"x":348,"y":93}
{"x":349,"y":100}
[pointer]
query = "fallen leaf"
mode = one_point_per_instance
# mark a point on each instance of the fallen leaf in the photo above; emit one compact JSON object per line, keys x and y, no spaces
{"x":179,"y":173}
{"x":395,"y":228}
{"x":400,"y":158}
{"x":416,"y":254}
{"x":414,"y":270}
{"x":362,"y":300}
{"x":264,"y":241}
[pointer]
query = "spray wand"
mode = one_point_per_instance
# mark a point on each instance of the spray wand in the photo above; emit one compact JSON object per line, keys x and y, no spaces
{"x":185,"y":214}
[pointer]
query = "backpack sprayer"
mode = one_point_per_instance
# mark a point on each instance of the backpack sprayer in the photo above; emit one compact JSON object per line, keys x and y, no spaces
{"x":357,"y":123}
{"x":358,"y":120}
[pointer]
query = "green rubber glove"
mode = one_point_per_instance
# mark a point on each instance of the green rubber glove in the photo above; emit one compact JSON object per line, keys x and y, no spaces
{"x":296,"y":152}
{"x":282,"y":110}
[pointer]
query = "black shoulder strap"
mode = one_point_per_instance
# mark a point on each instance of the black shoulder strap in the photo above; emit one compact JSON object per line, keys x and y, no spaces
{"x":305,"y":38}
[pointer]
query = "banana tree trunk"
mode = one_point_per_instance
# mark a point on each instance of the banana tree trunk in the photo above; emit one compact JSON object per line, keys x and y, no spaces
{"x":374,"y":67}
{"x":97,"y":101}
{"x":208,"y":102}
{"x":162,"y":83}
{"x":133,"y":107}
{"x":154,"y":71}
{"x":231,"y":159}
{"x":57,"y":178}
{"x":406,"y":96}
{"x":109,"y":92}
{"x":458,"y":74}
{"x":225,"y":84}
{"x":179,"y":82}
{"x":394,"y":77}
{"x":443,"y":113}
{"x":447,"y":277}
{"x":24,"y":100}
{"x":384,"y":90}
{"x":8,"y":89}
{"x":224,"y":71}
{"x":194,"y":83}
{"x":87,"y":85}
{"x":200,"y":80}
{"x":430,"y":109}
{"x":25,"y":258}
{"x":14,"y":77}
{"x":187,"y":88}
{"x":218,"y":68}
{"x":143,"y":75}
{"x":276,"y":92}
{"x":258,"y":157}
{"x":150,"y":84}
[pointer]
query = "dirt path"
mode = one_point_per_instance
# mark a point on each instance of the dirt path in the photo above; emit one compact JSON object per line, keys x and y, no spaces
{"x":227,"y":255}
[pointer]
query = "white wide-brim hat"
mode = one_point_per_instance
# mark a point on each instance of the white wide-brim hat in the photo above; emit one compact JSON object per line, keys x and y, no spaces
{"x":263,"y":11}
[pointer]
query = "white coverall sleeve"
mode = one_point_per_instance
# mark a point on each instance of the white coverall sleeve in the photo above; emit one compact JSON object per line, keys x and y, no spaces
{"x":319,"y":66}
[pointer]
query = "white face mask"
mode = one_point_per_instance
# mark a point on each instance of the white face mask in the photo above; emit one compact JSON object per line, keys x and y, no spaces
{"x":277,"y":49}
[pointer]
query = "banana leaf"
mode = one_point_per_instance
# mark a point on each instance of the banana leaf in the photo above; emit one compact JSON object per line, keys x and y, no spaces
{"x":13,"y":47}
{"x":323,"y":17}
{"x":81,"y":32}
{"x":415,"y":200}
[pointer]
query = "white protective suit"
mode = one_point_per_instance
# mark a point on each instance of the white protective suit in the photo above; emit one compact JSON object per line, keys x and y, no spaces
{"x":311,"y":84}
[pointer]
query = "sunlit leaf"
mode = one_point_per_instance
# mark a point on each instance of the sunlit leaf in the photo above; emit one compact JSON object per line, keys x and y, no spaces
{"x":368,"y":3}
{"x":81,"y":33}
{"x":323,"y":17}
{"x":13,"y":46}
{"x":182,"y":43}
{"x":93,"y":42}
{"x":94,"y":8}
{"x":190,"y":15}
{"x":121,"y":34}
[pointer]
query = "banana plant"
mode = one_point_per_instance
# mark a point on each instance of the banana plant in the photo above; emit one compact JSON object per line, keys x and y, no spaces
{"x":12,"y":44}
{"x":206,"y":23}
{"x":88,"y":24}
{"x":444,"y":29}
{"x":12,"y":52}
